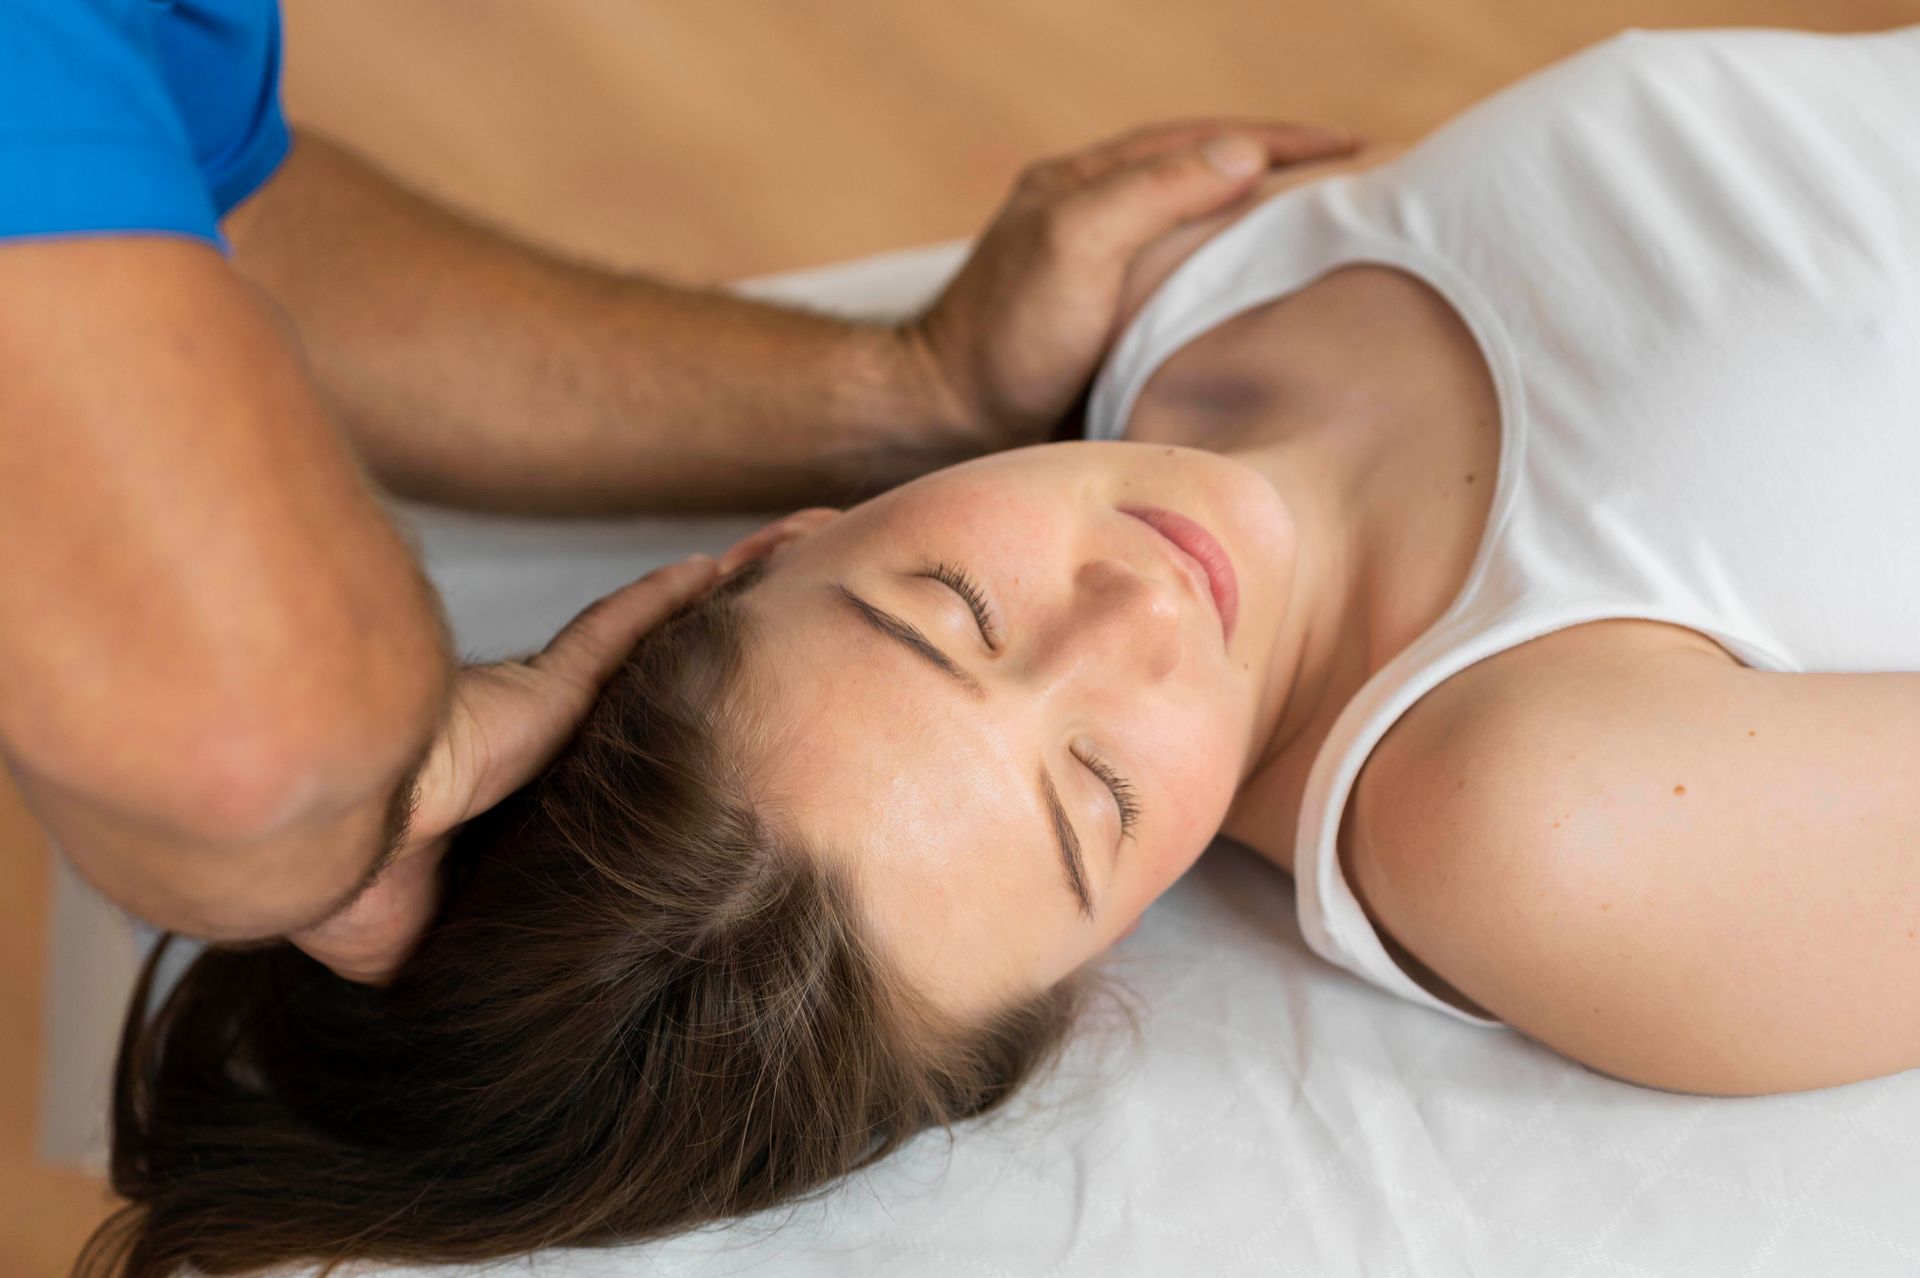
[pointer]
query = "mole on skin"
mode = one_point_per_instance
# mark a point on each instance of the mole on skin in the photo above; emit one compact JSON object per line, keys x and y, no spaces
{"x":1679,"y":789}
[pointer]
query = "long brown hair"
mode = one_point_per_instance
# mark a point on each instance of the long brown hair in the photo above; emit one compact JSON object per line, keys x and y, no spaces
{"x":640,"y":1010}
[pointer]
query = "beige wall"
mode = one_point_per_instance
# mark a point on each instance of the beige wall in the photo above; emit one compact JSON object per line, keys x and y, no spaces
{"x":714,"y":138}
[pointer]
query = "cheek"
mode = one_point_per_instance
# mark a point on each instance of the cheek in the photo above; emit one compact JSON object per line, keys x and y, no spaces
{"x":1195,"y":772}
{"x":1192,"y":736}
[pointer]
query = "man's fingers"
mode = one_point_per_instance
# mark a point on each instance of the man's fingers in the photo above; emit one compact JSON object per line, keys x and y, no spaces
{"x":749,"y":547}
{"x":1280,"y":143}
{"x":765,"y":539}
{"x":591,"y":647}
{"x":1117,"y":215}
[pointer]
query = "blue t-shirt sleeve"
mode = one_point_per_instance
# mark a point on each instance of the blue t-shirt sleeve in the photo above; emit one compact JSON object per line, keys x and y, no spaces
{"x":135,"y":115}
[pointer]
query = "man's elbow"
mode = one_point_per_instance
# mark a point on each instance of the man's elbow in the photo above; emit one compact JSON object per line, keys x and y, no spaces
{"x":244,"y":749}
{"x":231,"y":821}
{"x":296,"y":754}
{"x":253,"y":783}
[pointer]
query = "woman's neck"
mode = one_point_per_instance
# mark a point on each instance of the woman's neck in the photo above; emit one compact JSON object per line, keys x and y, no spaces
{"x":1365,"y":402}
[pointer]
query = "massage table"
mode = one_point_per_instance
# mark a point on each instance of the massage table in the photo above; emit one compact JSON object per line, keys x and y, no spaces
{"x":1271,"y":1116}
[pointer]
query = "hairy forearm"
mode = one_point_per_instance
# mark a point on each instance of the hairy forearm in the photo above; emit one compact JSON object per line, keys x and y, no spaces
{"x":471,"y":370}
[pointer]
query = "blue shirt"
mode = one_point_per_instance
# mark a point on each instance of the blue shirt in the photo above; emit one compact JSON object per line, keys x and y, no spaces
{"x":136,"y":115}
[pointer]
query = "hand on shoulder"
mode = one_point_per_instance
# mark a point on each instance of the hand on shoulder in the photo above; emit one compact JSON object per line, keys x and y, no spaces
{"x":1016,"y":336}
{"x":1164,"y":254}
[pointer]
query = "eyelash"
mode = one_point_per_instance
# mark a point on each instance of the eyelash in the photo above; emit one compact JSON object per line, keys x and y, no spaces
{"x":955,"y":578}
{"x":1122,"y":792}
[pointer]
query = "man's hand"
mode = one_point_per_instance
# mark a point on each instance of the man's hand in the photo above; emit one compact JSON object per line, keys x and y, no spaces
{"x":1017,"y":334}
{"x":505,"y":723}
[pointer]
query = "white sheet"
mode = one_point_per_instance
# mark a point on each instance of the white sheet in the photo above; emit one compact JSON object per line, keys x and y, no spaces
{"x":1276,"y":1116}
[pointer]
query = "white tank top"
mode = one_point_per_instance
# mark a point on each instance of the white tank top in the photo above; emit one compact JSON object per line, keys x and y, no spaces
{"x":1691,"y":261}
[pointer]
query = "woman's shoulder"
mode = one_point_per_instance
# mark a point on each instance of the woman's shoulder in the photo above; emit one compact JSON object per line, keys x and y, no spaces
{"x":1639,"y":852}
{"x":1495,"y":733}
{"x":1476,"y":772}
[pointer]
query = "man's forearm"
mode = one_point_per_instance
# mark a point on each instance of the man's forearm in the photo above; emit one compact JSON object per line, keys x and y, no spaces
{"x":471,"y":370}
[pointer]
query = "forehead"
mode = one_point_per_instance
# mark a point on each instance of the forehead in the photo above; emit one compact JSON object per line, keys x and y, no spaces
{"x":995,"y":501}
{"x":890,"y":770}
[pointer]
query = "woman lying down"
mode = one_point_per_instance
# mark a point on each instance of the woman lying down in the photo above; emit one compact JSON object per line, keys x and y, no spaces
{"x":1513,"y":538}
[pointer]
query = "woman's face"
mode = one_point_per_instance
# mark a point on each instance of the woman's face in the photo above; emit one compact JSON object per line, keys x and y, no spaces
{"x":1077,"y":727}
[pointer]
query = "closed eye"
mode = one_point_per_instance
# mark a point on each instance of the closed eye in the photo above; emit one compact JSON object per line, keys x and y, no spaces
{"x":955,"y":578}
{"x":1123,"y":795}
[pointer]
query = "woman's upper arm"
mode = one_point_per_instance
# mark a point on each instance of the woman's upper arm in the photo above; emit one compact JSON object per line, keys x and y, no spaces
{"x":1684,"y":873}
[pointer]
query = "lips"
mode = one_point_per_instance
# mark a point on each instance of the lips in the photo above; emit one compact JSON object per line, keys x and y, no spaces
{"x":1198,"y":545}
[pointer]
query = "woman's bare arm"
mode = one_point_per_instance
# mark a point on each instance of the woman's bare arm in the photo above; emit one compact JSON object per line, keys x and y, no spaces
{"x":1680,"y":871}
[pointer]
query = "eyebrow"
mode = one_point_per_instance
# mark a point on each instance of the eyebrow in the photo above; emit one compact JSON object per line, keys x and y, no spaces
{"x":908,"y":636}
{"x":1069,"y":846}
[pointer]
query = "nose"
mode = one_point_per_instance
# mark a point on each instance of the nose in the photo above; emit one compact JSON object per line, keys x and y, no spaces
{"x":1121,"y":624}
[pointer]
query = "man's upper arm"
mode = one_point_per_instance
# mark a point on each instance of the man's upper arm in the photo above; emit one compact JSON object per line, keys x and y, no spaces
{"x":1683,"y":873}
{"x":200,"y":605}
